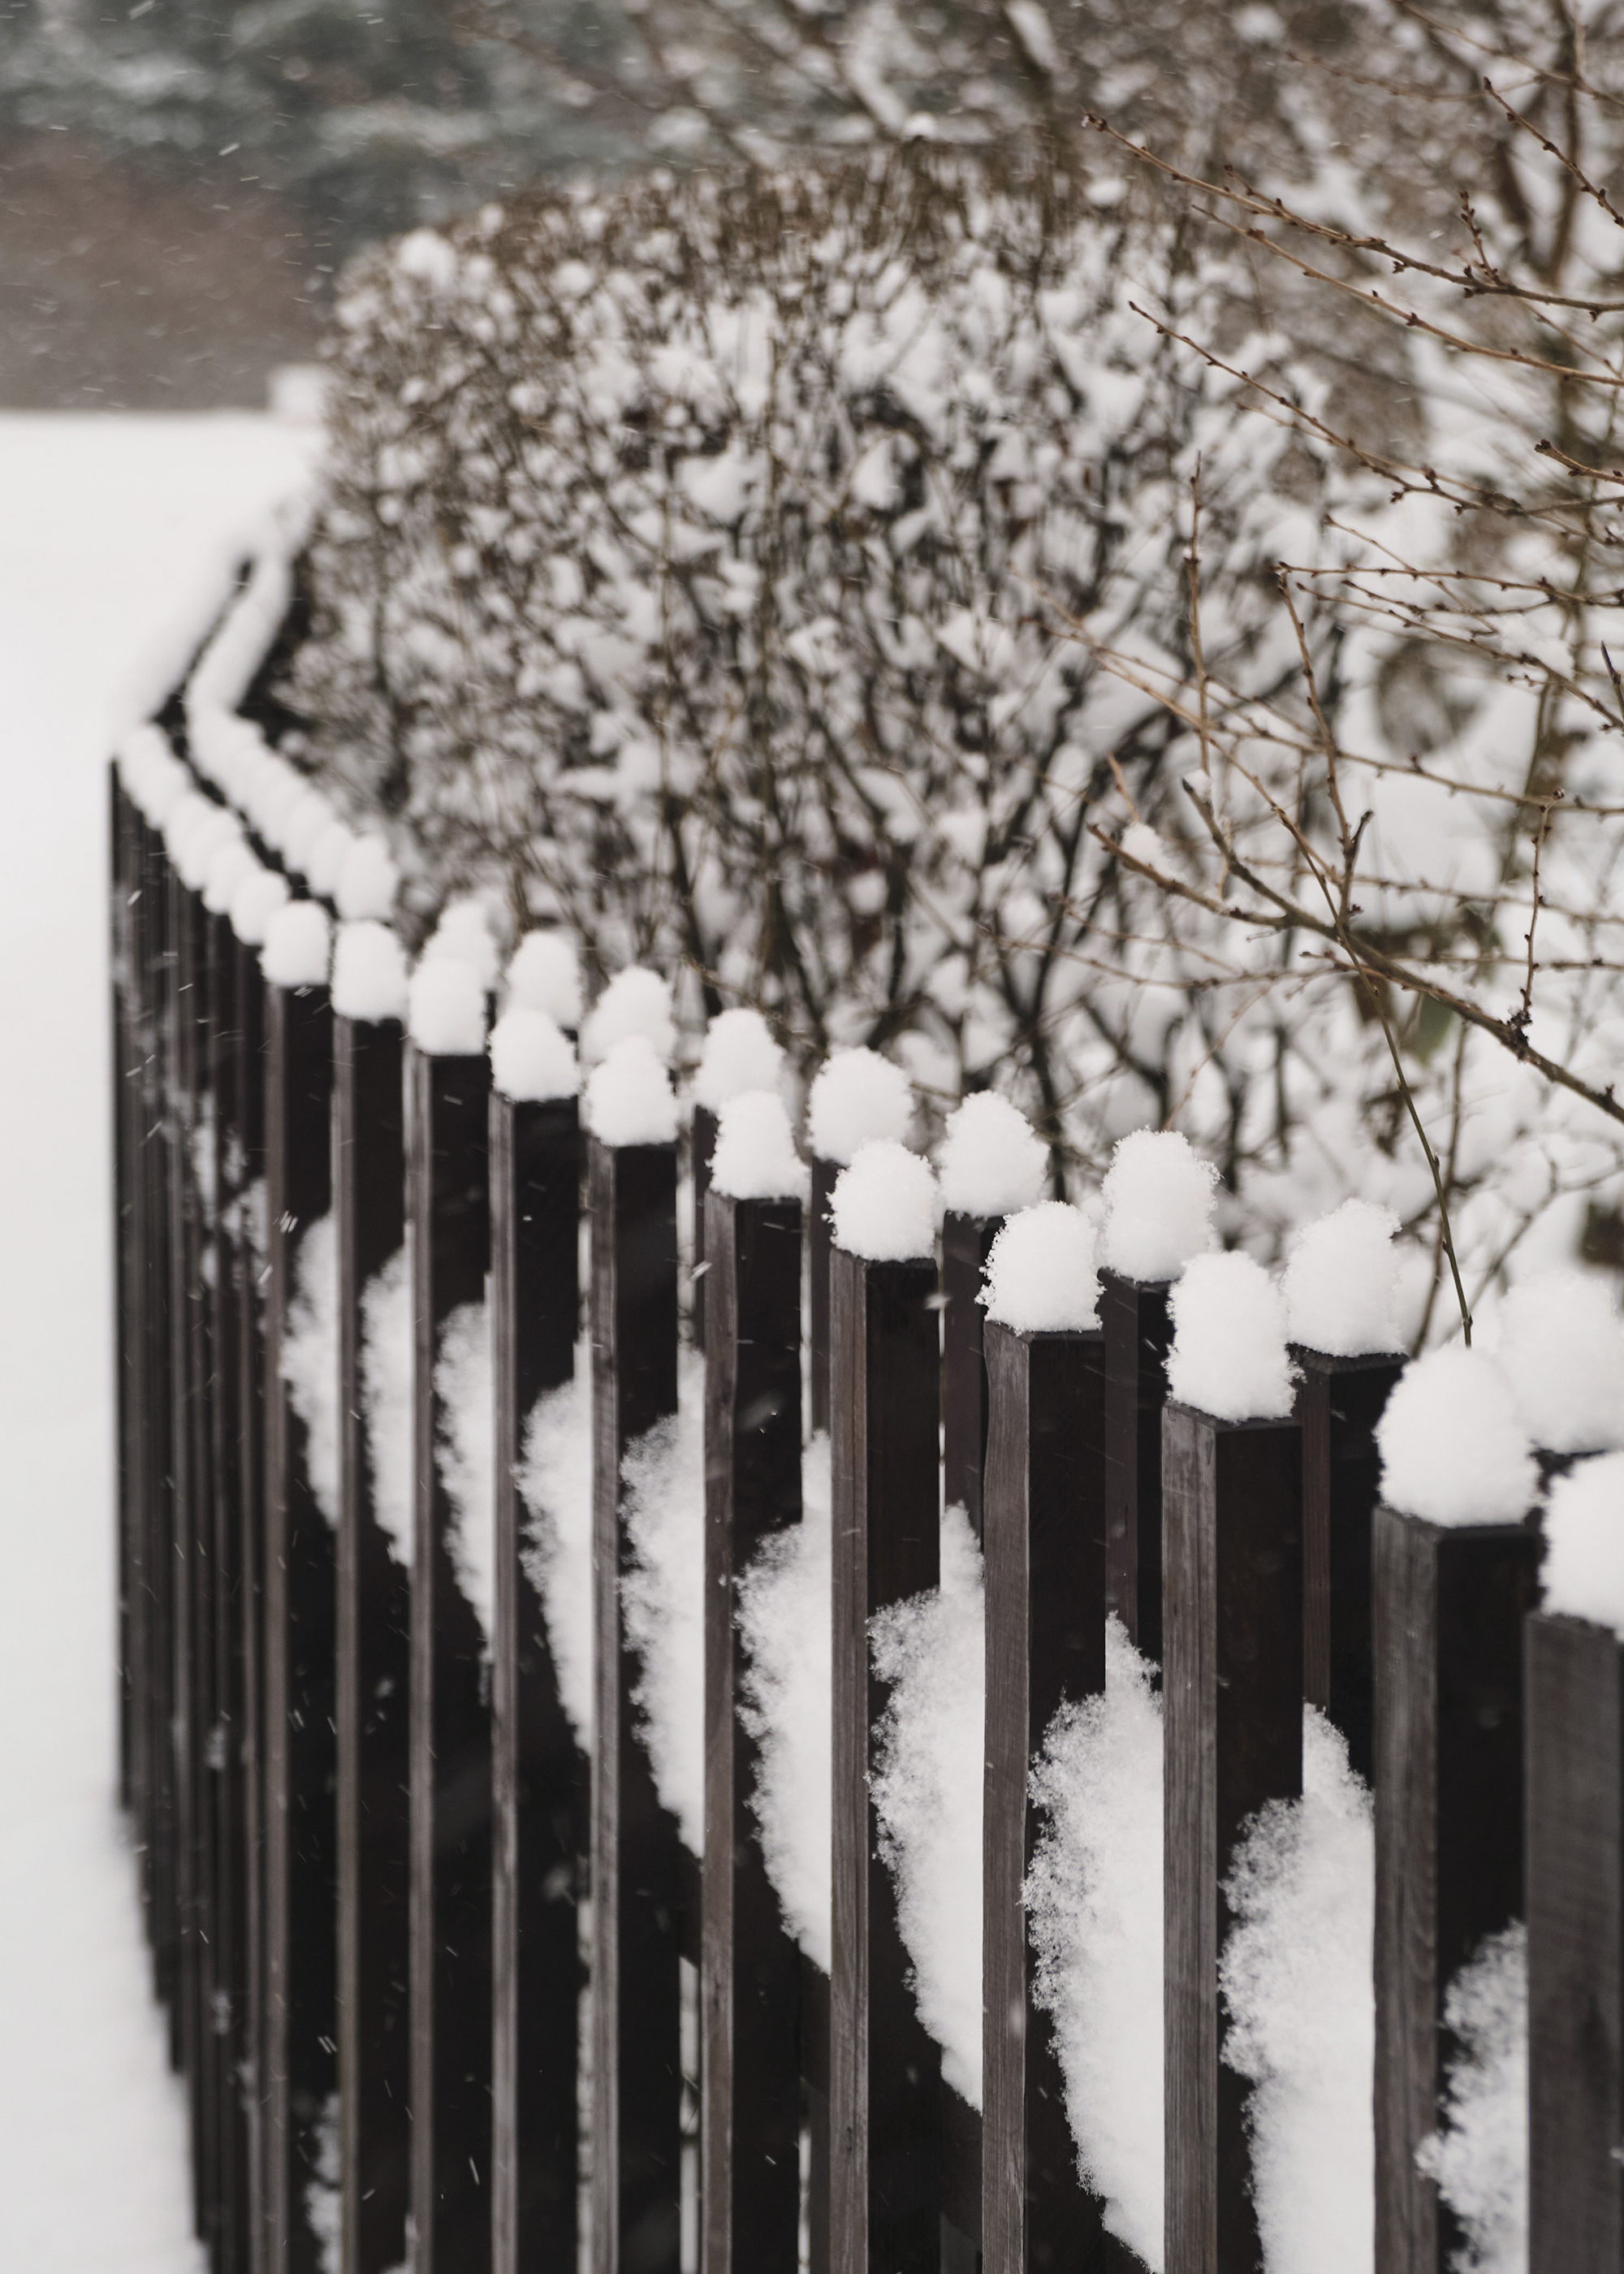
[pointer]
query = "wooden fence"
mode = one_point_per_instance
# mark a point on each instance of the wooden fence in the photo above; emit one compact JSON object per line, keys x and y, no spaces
{"x":426,"y":1967}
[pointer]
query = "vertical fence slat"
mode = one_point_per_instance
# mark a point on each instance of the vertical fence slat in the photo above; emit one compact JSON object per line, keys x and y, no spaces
{"x":702,"y":1144}
{"x":540,"y":1777}
{"x":373,"y":1679}
{"x":1449,"y":1615}
{"x":637,"y":1876}
{"x":965,"y":1243}
{"x":885,"y":2092}
{"x":449,"y":1140}
{"x":300,"y":1692}
{"x":824,"y":1176}
{"x":1574,"y":1673}
{"x":750,"y":1976}
{"x":1339,"y":1402}
{"x":1233,"y":1684}
{"x":1138,"y":1333}
{"x":1045,"y":1563}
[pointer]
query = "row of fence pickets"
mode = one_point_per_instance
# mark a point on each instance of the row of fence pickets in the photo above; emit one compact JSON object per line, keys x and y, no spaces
{"x":368,"y":1844}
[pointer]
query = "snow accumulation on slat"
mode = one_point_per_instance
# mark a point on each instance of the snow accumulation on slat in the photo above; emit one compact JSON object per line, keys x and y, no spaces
{"x":1228,"y":1357}
{"x":545,"y":974}
{"x":1452,"y":1449}
{"x":629,"y":1099}
{"x":991,"y":1161}
{"x":856,"y":1096}
{"x":387,"y":1366}
{"x":739,"y":1054}
{"x":635,"y":1002}
{"x":464,"y":935}
{"x":755,"y":1157}
{"x":1583,"y":1572}
{"x":887,"y":1205}
{"x":370,"y":978}
{"x":1342,"y":1282}
{"x":1040,"y":1273}
{"x":254,"y":902}
{"x":663,"y":1595}
{"x":1158,"y":1195}
{"x":1562,"y":1348}
{"x":464,"y":1454}
{"x":298,"y":949}
{"x":555,"y":1477}
{"x":445,"y":1008}
{"x":531,"y":1058}
{"x":310,"y":1358}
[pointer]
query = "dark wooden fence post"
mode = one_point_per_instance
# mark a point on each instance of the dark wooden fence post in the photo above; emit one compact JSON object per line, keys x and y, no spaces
{"x":374,"y":1665}
{"x":1574,"y":1760}
{"x":1450,"y":1605}
{"x":300,"y":1919}
{"x":540,"y":1778}
{"x":966,"y":1242}
{"x":1045,"y":1563}
{"x":637,"y":1872}
{"x":750,"y":1978}
{"x":447,"y":1140}
{"x":1233,"y":1685}
{"x":1339,"y":1402}
{"x":1138,"y":1333}
{"x":885,"y":2089}
{"x":855,"y":1095}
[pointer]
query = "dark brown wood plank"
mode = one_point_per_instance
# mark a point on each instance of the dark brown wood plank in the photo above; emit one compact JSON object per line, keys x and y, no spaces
{"x":1138,"y":1333}
{"x":824,"y":1176}
{"x":1045,"y":1563}
{"x":965,"y":1243}
{"x":1232,"y":1681}
{"x":539,"y":1777}
{"x":702,"y":1144}
{"x":885,"y":2091}
{"x":750,"y":1972}
{"x":1574,"y":1760}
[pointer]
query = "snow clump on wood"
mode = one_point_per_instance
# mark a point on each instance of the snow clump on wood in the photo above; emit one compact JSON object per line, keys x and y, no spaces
{"x":991,"y":1161}
{"x":445,"y":1008}
{"x":927,"y":1793}
{"x":663,"y":1594}
{"x":739,"y":1054}
{"x":1093,"y":1902}
{"x":629,"y":1099}
{"x":1228,"y":1357}
{"x":388,"y":1361}
{"x":1295,"y":1976}
{"x":1562,"y":1347}
{"x":464,"y":933}
{"x":255,"y":902}
{"x":1453,"y":1451}
{"x":545,"y":974}
{"x":856,"y":1096}
{"x":464,"y":1453}
{"x":368,"y":881}
{"x":1583,"y":1572}
{"x":370,"y":978}
{"x":634,"y":1002}
{"x":1479,"y":2154}
{"x":555,"y":1477}
{"x":325,"y":862}
{"x":309,"y":1359}
{"x":230,"y":865}
{"x":1158,"y":1195}
{"x":298,"y":945}
{"x":886,"y":1206}
{"x":531,"y":1057}
{"x":1041,"y":1275}
{"x":786,"y":1704}
{"x":755,"y":1157}
{"x":1341,"y":1283}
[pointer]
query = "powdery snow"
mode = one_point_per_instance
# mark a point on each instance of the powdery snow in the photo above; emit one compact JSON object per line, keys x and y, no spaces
{"x":464,"y":1453}
{"x":856,"y":1096}
{"x":370,"y":977}
{"x":634,"y":1002}
{"x":464,"y":935}
{"x":1228,"y":1357}
{"x":1341,"y":1283}
{"x":1562,"y":1348}
{"x":445,"y":1008}
{"x":298,"y":942}
{"x":255,"y":901}
{"x":1479,"y":2154}
{"x":1041,"y":1275}
{"x":1158,"y":1195}
{"x":629,"y":1099}
{"x":1295,"y":1976}
{"x":555,"y":1477}
{"x":1453,"y":1451}
{"x":1584,"y":1570}
{"x":545,"y":974}
{"x":387,"y":1362}
{"x":310,"y":1358}
{"x":784,"y":1602}
{"x":367,"y":882}
{"x":739,"y":1054}
{"x":886,"y":1206}
{"x":324,"y":862}
{"x":662,"y":1596}
{"x":927,"y":1794}
{"x":1093,"y":1902}
{"x":531,"y":1057}
{"x":229,"y":867}
{"x":991,"y":1161}
{"x":755,"y":1157}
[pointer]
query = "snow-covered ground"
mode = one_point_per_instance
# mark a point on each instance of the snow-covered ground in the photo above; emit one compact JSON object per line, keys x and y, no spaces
{"x":116,"y":536}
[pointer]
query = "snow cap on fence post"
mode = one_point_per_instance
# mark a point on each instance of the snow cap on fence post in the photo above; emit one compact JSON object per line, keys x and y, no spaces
{"x":991,"y":1161}
{"x":1040,"y":1273}
{"x":298,"y":945}
{"x":229,"y":865}
{"x":1228,"y":1357}
{"x":329,"y":850}
{"x":755,"y":1158}
{"x":1453,"y":1449}
{"x":1584,"y":1573}
{"x":857,"y":1096}
{"x":1562,"y":1348}
{"x":463,"y":934}
{"x":254,"y":902}
{"x":531,"y":1059}
{"x":446,"y":1007}
{"x":370,"y":977}
{"x":637,"y":1001}
{"x":629,"y":1099}
{"x":740,"y":1055}
{"x":1342,"y":1282}
{"x":1158,"y":1193}
{"x":307,"y":820}
{"x":367,"y":882}
{"x":886,"y":1204}
{"x":544,"y":974}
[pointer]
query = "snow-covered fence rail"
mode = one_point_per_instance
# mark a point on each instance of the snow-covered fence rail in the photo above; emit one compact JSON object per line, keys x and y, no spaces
{"x":582,"y":1806}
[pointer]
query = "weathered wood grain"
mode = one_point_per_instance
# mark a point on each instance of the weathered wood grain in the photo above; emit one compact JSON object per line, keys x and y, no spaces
{"x":1138,"y":1334}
